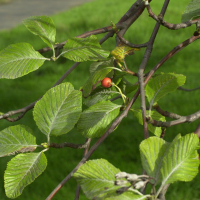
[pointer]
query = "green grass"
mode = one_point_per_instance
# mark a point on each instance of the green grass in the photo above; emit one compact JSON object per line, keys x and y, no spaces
{"x":121,"y":147}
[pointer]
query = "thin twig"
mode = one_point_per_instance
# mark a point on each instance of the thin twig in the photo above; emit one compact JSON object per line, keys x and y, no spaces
{"x":123,"y":40}
{"x":160,"y":20}
{"x":71,"y":145}
{"x":142,"y":68}
{"x":174,"y":51}
{"x":189,"y":119}
{"x":166,"y":113}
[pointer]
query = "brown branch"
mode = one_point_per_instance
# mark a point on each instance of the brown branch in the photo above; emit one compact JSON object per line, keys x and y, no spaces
{"x":142,"y":68}
{"x":166,"y":113}
{"x":71,"y":145}
{"x":160,"y":20}
{"x":123,"y":40}
{"x":189,"y":119}
{"x":170,"y":54}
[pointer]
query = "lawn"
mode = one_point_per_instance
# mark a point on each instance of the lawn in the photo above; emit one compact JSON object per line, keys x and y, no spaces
{"x":121,"y":147}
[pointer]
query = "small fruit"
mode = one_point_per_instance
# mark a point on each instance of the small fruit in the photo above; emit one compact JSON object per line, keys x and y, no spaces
{"x":106,"y":82}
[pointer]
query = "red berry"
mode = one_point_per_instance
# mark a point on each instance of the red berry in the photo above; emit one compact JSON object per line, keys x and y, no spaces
{"x":106,"y":82}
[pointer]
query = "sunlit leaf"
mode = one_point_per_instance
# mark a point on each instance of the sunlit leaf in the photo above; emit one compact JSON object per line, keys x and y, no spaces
{"x":181,"y":162}
{"x":96,"y":178}
{"x":58,"y":110}
{"x":95,"y":120}
{"x":18,"y":60}
{"x":22,"y":170}
{"x":16,"y":139}
{"x":42,"y":26}
{"x":83,"y":49}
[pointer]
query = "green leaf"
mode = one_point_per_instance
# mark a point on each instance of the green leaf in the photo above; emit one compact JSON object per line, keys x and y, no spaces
{"x":96,"y":178}
{"x":95,"y":120}
{"x":83,"y":49}
{"x":161,"y":85}
{"x":58,"y":110}
{"x":18,"y":60}
{"x":154,"y":115}
{"x":16,"y":139}
{"x":97,"y":76}
{"x":42,"y":26}
{"x":22,"y":170}
{"x":169,"y":162}
{"x":152,"y":151}
{"x":192,"y":11}
{"x":100,"y":94}
{"x":181,"y":161}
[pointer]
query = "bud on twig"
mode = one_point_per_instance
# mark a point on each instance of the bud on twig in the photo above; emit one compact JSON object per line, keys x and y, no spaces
{"x":139,"y":185}
{"x":121,"y":175}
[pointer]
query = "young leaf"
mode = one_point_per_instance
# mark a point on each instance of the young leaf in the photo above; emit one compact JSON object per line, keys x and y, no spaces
{"x":98,"y":75}
{"x":100,"y":94}
{"x":83,"y":49}
{"x":22,"y":170}
{"x":96,"y":178}
{"x":154,"y":115}
{"x":18,"y":60}
{"x":181,"y":161}
{"x":161,"y":85}
{"x":16,"y":139}
{"x":192,"y":11}
{"x":58,"y":110}
{"x":95,"y":120}
{"x":42,"y":26}
{"x":123,"y":50}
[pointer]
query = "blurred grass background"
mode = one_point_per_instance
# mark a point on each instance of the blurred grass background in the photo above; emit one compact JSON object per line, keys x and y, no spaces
{"x":121,"y":147}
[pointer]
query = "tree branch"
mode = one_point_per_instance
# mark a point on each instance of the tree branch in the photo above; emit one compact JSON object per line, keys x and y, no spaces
{"x":166,"y":113}
{"x":189,"y":118}
{"x":142,"y":68}
{"x":71,"y":145}
{"x":160,"y":20}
